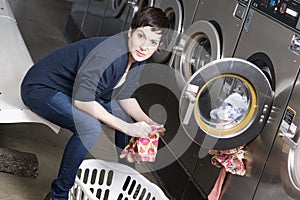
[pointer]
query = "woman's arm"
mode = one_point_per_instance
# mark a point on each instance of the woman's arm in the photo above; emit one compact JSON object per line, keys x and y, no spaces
{"x":133,"y":109}
{"x":93,"y":108}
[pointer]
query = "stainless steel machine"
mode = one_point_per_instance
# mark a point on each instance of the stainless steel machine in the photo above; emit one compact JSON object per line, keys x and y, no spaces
{"x":180,"y":13}
{"x":224,"y":105}
{"x":281,"y":176}
{"x":213,"y":34}
{"x":77,"y":16}
{"x":206,"y":26}
{"x":90,"y":18}
{"x":174,"y":11}
{"x":270,"y":40}
{"x":118,"y":15}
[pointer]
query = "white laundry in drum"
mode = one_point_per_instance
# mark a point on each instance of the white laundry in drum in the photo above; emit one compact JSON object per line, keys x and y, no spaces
{"x":232,"y":108}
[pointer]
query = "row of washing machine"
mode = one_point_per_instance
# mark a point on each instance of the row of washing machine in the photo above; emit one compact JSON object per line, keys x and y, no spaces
{"x":224,"y":56}
{"x":265,"y":33}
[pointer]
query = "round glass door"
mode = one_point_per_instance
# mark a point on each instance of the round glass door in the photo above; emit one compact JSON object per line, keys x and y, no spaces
{"x":294,"y":166}
{"x":173,"y":10}
{"x":224,"y":105}
{"x":226,"y":101}
{"x":199,"y":45}
{"x":117,"y":6}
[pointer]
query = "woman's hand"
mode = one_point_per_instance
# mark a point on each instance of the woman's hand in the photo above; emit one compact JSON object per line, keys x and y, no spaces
{"x":159,"y":128}
{"x":138,"y":129}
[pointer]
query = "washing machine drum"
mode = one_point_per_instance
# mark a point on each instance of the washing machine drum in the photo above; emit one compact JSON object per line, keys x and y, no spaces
{"x":225,"y":104}
{"x":199,"y":45}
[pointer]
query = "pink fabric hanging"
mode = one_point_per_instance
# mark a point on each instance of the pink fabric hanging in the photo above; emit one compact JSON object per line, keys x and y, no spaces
{"x":230,"y":161}
{"x":142,"y":149}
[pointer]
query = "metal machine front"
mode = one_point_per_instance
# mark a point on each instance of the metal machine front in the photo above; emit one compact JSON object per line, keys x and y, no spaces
{"x":90,"y":18}
{"x":118,"y":15}
{"x":198,"y":45}
{"x":174,"y":12}
{"x":228,"y":17}
{"x":281,"y":177}
{"x":229,"y":100}
{"x":213,"y":34}
{"x":269,"y":40}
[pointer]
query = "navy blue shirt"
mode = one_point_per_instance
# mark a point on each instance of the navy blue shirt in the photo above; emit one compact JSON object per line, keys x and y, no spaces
{"x":87,"y":70}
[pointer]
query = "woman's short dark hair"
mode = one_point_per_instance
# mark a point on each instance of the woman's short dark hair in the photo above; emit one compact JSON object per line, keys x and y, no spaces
{"x":153,"y":17}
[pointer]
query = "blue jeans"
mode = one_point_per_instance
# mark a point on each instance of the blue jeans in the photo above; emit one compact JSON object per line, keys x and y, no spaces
{"x":86,"y":130}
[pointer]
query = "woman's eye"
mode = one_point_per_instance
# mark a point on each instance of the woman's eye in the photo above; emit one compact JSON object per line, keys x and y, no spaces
{"x":154,"y":43}
{"x":140,"y":35}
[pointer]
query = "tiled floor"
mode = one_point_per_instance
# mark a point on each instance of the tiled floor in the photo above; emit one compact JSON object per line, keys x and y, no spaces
{"x":42,"y":24}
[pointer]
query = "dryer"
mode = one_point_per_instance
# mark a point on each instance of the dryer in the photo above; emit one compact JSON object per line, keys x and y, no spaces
{"x":212,"y":35}
{"x":270,"y":40}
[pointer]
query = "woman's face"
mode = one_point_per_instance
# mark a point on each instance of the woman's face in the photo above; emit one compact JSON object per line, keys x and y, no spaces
{"x":142,"y":43}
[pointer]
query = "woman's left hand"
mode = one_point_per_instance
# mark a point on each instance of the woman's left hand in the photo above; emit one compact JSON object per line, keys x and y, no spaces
{"x":159,"y":128}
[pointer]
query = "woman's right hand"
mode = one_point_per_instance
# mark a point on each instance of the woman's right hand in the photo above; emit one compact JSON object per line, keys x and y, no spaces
{"x":138,"y":129}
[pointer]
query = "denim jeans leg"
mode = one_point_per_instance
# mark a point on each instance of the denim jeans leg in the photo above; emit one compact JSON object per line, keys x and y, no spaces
{"x":86,"y":130}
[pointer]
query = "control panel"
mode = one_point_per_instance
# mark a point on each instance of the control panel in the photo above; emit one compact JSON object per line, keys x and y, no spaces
{"x":285,"y":11}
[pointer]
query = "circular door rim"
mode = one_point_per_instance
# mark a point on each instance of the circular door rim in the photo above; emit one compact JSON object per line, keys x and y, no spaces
{"x":118,"y":10}
{"x":201,"y":28}
{"x":246,"y":120}
{"x":162,"y":55}
{"x":289,"y":177}
{"x":264,"y":95}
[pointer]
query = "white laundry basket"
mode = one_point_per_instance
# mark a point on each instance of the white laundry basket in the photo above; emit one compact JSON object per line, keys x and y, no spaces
{"x":102,"y":180}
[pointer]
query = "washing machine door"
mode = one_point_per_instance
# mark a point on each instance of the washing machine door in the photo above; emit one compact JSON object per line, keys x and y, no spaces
{"x":289,"y":132}
{"x":290,"y":175}
{"x":134,"y":6}
{"x":198,"y":45}
{"x":173,"y":10}
{"x":225,"y":103}
{"x":118,"y":15}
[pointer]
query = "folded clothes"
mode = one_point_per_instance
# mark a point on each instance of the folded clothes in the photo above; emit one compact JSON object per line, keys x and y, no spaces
{"x":142,"y":149}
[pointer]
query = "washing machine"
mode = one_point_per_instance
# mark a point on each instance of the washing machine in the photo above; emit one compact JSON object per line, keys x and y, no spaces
{"x":180,"y":14}
{"x":118,"y":15}
{"x":270,"y":41}
{"x":82,"y":9}
{"x":162,"y":105}
{"x":212,"y":35}
{"x":220,"y":86}
{"x":281,"y":176}
{"x":90,"y":18}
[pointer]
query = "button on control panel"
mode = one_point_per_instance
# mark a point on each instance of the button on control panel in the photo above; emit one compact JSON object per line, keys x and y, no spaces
{"x":239,"y":11}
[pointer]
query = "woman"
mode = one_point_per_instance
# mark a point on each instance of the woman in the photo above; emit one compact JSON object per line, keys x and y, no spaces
{"x":91,"y":82}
